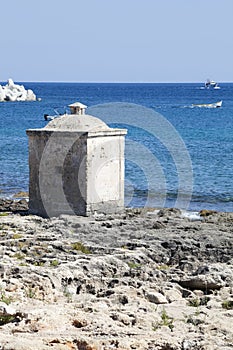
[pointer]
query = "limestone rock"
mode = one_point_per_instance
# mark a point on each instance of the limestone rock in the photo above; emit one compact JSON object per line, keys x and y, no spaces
{"x":13,"y":205}
{"x":14,"y":92}
{"x":6,"y":310}
{"x":116,"y":282}
{"x":155,"y":297}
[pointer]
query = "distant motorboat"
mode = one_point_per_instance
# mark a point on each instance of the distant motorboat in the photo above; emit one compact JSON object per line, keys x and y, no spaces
{"x":209,"y":105}
{"x":76,"y":108}
{"x":48,"y":117}
{"x":211,"y":84}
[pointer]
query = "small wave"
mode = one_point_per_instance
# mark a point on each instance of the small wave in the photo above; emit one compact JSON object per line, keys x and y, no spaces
{"x":212,"y":198}
{"x":155,"y":107}
{"x":191,"y":215}
{"x":172,"y":106}
{"x":171,"y":195}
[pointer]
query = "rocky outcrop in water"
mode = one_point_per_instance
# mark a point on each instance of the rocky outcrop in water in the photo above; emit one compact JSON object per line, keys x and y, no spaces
{"x":143,"y":280}
{"x":14,"y":206}
{"x":13,"y":92}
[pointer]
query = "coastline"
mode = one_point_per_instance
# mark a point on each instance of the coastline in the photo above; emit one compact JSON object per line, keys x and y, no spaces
{"x":142,"y":279}
{"x":211,"y":163}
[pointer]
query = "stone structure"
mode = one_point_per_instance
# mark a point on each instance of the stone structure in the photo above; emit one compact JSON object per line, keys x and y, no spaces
{"x":77,"y":108}
{"x":76,"y":166}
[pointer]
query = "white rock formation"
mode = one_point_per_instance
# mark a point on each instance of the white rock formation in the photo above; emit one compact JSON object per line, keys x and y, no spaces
{"x":13,"y":92}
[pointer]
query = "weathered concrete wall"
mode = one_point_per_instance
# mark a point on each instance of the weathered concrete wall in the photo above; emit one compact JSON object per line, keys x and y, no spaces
{"x":74,"y":176}
{"x":105,"y":173}
{"x":56,"y":162}
{"x":36,"y":147}
{"x":75,"y":172}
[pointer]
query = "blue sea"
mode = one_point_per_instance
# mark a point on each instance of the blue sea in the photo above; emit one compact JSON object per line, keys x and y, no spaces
{"x":176,"y":154}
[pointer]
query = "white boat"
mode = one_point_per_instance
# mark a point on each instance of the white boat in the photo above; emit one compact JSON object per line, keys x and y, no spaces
{"x":57,"y":114}
{"x":211,"y":84}
{"x":48,"y":117}
{"x":76,"y":108}
{"x":209,"y":105}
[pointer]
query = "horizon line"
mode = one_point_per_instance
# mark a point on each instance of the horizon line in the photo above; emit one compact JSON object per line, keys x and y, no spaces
{"x":114,"y":82}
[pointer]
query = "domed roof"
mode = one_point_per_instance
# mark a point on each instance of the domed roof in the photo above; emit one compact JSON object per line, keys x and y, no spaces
{"x":74,"y":122}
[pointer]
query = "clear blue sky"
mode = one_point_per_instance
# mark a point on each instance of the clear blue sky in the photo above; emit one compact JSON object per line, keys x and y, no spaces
{"x":117,"y":40}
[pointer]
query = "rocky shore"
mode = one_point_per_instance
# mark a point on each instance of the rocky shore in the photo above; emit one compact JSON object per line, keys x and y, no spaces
{"x":144,"y":279}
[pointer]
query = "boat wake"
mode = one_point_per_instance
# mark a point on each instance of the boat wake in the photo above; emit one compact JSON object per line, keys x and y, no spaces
{"x":208,"y":105}
{"x":194,"y":105}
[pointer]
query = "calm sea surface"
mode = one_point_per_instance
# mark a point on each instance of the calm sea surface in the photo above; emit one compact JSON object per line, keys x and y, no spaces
{"x":172,"y":149}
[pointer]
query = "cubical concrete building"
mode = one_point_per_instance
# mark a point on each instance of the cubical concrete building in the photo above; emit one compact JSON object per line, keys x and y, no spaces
{"x":76,"y":166}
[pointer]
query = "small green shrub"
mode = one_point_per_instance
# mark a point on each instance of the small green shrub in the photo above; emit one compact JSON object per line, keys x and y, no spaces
{"x":19,"y":256}
{"x":21,"y":245}
{"x":163,"y":267}
{"x":38,"y":263}
{"x":4,"y":319}
{"x":16,"y":236}
{"x":54,"y":263}
{"x":165,"y":321}
{"x":80,"y":247}
{"x":31,"y":293}
{"x":196,"y":302}
{"x":5,"y":299}
{"x":227,"y":304}
{"x":133,"y":265}
{"x":68,"y":295}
